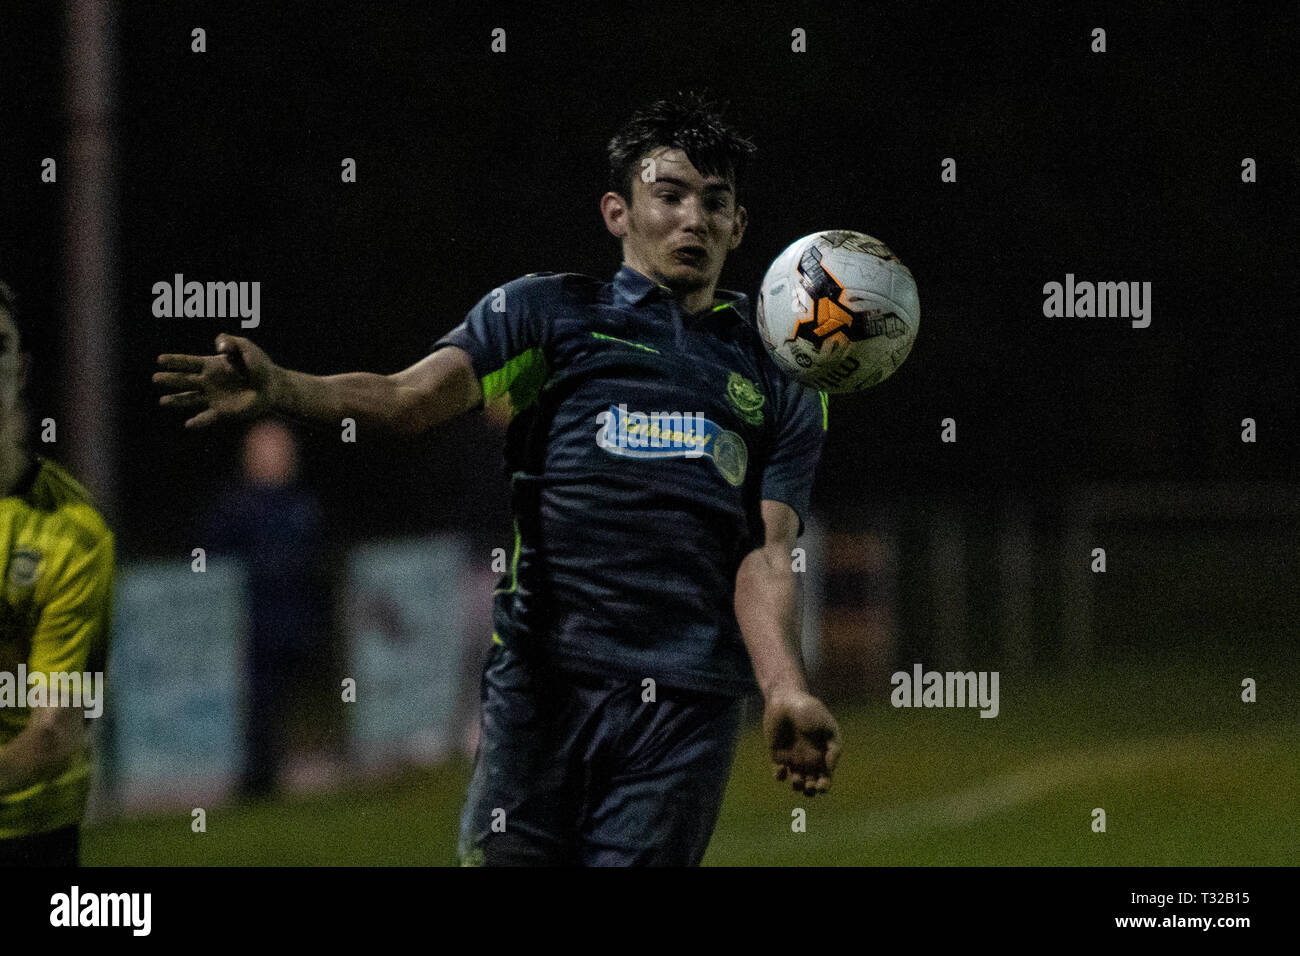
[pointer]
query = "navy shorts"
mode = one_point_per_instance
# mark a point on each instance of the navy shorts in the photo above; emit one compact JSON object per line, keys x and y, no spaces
{"x":580,"y":771}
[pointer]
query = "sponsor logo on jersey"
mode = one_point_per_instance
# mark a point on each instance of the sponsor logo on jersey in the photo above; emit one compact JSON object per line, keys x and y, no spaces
{"x":631,"y":434}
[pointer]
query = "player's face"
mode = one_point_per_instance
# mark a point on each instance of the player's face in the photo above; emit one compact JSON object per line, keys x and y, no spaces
{"x":681,"y":225}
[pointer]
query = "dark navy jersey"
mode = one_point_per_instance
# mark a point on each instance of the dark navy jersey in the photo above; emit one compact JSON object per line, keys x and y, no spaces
{"x":641,"y":442}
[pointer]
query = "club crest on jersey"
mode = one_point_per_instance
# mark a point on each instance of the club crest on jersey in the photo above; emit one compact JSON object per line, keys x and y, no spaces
{"x":745,"y":398}
{"x":672,"y":435}
{"x":23,"y":567}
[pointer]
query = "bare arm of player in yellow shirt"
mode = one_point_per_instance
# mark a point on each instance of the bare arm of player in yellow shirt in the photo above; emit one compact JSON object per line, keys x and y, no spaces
{"x":52,"y":737}
{"x":71,"y":626}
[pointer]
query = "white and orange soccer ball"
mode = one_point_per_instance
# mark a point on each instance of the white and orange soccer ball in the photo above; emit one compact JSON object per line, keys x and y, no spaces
{"x":838,"y":311}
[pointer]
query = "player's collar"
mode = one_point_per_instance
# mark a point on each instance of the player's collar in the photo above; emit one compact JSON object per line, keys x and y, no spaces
{"x":633,"y":288}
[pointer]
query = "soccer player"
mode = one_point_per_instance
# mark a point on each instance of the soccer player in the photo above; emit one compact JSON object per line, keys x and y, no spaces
{"x":660,"y":470}
{"x":55,"y":607}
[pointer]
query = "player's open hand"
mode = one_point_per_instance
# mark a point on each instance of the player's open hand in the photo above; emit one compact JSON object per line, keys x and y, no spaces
{"x":231,"y":385}
{"x":804,"y":740}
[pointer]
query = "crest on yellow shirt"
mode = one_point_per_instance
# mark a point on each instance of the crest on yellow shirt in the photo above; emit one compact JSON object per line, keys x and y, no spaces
{"x":24,"y":567}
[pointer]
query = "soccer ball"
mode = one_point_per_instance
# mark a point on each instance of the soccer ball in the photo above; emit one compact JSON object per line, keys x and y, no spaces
{"x":838,"y":311}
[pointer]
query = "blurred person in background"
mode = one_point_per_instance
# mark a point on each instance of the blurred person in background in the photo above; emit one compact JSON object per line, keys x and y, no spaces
{"x":273,"y":524}
{"x":55,"y":615}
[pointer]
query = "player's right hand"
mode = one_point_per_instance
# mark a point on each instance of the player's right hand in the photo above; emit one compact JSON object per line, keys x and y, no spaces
{"x":234,"y":384}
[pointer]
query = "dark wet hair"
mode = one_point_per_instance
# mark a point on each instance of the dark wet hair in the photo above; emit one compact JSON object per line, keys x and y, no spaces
{"x":688,"y":121}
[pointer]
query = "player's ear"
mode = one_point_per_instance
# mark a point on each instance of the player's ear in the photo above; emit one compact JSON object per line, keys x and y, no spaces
{"x":739,"y":222}
{"x":614,"y":210}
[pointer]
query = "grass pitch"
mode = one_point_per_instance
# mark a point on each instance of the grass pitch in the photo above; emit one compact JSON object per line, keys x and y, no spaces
{"x":1186,"y":773}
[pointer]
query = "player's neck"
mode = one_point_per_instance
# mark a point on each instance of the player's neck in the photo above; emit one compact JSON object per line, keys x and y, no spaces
{"x":14,"y":461}
{"x":698,"y":300}
{"x":691,"y":300}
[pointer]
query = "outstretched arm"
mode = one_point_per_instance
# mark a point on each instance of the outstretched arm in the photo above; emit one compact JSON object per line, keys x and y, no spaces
{"x":241,"y":381}
{"x":801,"y":733}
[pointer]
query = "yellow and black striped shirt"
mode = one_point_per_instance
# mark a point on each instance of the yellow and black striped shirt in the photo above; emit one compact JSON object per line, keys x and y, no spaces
{"x":55,"y":612}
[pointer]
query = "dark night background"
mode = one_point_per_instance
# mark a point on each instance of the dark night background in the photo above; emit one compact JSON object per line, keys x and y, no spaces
{"x":475,"y":168}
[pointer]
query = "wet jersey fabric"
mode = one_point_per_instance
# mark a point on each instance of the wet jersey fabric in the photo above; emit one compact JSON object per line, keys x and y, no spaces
{"x":641,"y":442}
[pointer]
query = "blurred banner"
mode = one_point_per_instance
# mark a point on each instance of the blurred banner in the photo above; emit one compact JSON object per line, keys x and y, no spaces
{"x":853,"y":606}
{"x":404,"y":621}
{"x":176,"y":680}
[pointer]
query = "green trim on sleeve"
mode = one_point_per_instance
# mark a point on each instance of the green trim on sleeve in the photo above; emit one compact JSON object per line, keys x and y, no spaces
{"x":522,"y":376}
{"x":826,"y":410}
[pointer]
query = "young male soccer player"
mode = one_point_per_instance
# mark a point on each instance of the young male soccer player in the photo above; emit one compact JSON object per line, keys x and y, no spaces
{"x":55,"y":601}
{"x":660,"y":468}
